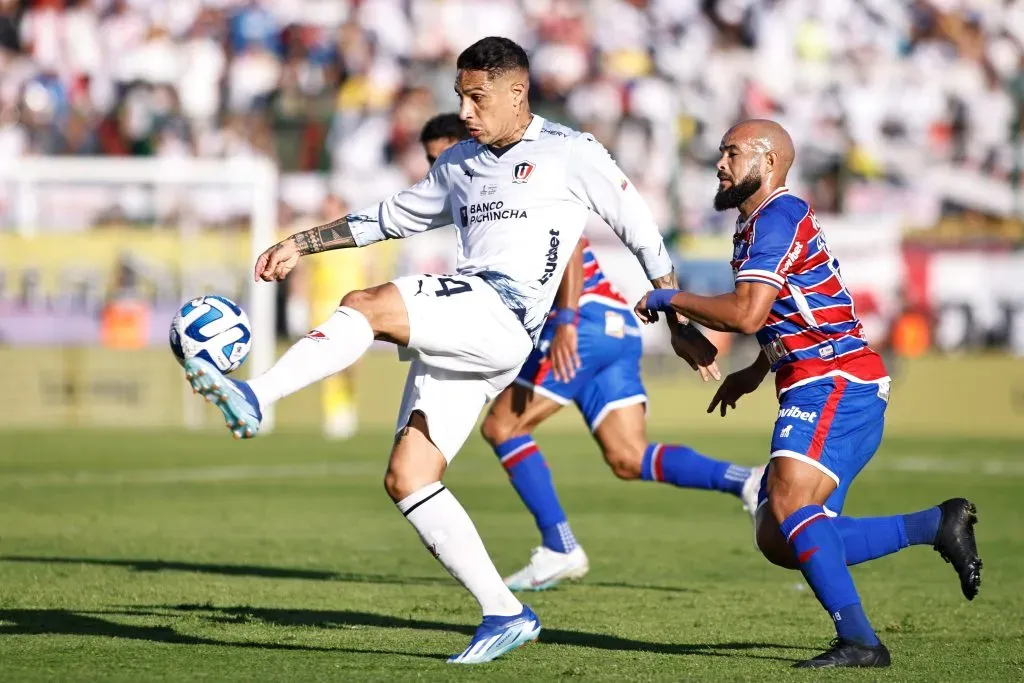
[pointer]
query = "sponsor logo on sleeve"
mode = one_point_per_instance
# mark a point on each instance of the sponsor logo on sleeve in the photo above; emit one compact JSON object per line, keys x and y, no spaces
{"x":791,"y":257}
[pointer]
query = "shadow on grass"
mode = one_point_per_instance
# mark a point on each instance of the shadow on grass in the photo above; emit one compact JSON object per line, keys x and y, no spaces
{"x":259,"y":571}
{"x":333,"y":619}
{"x":87,"y":622}
{"x":70,"y":623}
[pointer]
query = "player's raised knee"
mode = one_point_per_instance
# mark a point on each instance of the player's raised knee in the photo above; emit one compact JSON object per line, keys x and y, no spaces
{"x":400,"y":483}
{"x":495,"y":430}
{"x":771,"y":542}
{"x":625,"y":463}
{"x":791,"y":489}
{"x":784,"y":502}
{"x":361,"y":300}
{"x":384,"y":310}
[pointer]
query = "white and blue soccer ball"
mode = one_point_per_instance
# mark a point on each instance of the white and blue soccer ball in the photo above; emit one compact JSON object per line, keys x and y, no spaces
{"x":213,"y":328}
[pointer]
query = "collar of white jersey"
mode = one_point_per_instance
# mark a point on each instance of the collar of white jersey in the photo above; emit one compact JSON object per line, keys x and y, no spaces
{"x":532,"y":131}
{"x":741,"y":224}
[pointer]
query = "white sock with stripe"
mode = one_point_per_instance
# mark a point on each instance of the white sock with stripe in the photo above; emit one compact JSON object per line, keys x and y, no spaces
{"x":328,"y":349}
{"x":449,"y":534}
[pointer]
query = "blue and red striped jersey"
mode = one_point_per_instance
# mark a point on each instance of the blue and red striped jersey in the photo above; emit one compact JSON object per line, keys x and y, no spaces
{"x":596,"y":287}
{"x":812,"y":330}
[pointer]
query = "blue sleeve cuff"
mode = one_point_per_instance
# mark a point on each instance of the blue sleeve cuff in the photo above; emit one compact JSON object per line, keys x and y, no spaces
{"x":659,"y":299}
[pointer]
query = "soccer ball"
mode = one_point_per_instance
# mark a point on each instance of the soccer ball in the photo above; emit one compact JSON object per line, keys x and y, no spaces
{"x":213,"y":328}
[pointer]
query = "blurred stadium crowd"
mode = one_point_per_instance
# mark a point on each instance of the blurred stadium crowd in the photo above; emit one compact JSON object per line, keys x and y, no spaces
{"x":892,"y":103}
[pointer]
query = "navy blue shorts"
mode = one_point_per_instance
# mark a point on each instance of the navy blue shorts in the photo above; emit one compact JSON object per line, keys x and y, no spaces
{"x":833,"y":424}
{"x":609,"y":373}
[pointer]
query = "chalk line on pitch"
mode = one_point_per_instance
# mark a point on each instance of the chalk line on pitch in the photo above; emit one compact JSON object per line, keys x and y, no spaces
{"x":233,"y":473}
{"x":191,"y":474}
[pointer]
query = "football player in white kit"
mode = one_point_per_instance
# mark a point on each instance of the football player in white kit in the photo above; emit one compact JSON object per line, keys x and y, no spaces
{"x":518,"y":193}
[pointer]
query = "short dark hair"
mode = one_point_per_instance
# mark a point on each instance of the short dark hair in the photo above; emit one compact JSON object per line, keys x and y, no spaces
{"x":495,"y":55}
{"x":444,"y":126}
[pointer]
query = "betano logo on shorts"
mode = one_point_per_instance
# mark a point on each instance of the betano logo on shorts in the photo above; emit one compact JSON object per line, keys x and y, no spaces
{"x":796,"y":412}
{"x":488,"y":211}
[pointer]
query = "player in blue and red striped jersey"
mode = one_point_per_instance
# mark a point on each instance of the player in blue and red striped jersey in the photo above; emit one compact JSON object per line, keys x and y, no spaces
{"x":589,"y":354}
{"x":833,"y":391}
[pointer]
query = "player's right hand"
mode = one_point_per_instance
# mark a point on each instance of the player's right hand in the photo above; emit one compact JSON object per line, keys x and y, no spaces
{"x":275,"y":263}
{"x":691,"y":345}
{"x":737,"y":384}
{"x":564,"y":353}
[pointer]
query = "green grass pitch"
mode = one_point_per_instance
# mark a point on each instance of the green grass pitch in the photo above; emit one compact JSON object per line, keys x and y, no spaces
{"x":172,"y":556}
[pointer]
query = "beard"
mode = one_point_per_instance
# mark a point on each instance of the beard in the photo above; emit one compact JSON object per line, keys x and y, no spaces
{"x":732,"y":197}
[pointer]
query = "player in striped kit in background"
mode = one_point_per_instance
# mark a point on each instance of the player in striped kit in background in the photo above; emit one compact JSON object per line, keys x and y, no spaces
{"x":590,"y":355}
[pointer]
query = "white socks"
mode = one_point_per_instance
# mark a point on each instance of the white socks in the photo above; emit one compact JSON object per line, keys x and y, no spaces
{"x":449,"y":534}
{"x":441,"y":522}
{"x":330,"y":348}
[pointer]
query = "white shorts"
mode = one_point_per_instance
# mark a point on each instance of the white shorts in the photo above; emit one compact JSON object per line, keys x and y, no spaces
{"x":466,"y":347}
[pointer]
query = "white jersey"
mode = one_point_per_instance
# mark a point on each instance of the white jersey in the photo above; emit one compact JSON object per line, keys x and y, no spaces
{"x":520,"y":211}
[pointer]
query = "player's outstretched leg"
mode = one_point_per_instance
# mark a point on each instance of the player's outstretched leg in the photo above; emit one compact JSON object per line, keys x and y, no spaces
{"x":559,"y":557}
{"x":684,"y":467}
{"x":622,"y":434}
{"x":794,"y":488}
{"x":414,"y":482}
{"x":948,"y":527}
{"x":331,"y":347}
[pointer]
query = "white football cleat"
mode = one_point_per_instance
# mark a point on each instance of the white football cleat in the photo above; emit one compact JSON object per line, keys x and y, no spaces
{"x":751,"y":489}
{"x":547,"y":568}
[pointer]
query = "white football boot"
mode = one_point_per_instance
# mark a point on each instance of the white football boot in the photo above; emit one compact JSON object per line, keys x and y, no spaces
{"x":752,"y":487}
{"x":547,"y":568}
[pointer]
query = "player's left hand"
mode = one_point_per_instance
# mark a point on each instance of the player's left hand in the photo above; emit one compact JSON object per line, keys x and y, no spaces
{"x":564,"y":353}
{"x":739,"y":383}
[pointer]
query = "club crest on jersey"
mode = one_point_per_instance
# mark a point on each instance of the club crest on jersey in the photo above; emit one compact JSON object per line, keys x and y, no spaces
{"x":522,"y":171}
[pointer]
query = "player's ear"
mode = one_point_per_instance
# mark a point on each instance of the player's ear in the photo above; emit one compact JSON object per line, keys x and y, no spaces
{"x":519,"y":88}
{"x":771,"y":160}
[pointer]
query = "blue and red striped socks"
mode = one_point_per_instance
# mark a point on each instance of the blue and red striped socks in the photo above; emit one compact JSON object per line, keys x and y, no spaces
{"x":531,"y":478}
{"x":685,"y":467}
{"x":868,"y":538}
{"x":819,"y":550}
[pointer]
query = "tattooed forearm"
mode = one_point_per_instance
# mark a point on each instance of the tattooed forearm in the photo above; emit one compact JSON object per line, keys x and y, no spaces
{"x":334,"y":235}
{"x":666,"y":281}
{"x":670,"y":282}
{"x":308,"y":241}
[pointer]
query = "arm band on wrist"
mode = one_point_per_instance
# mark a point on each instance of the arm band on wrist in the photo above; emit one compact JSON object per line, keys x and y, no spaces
{"x":565,"y":316}
{"x":659,"y":299}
